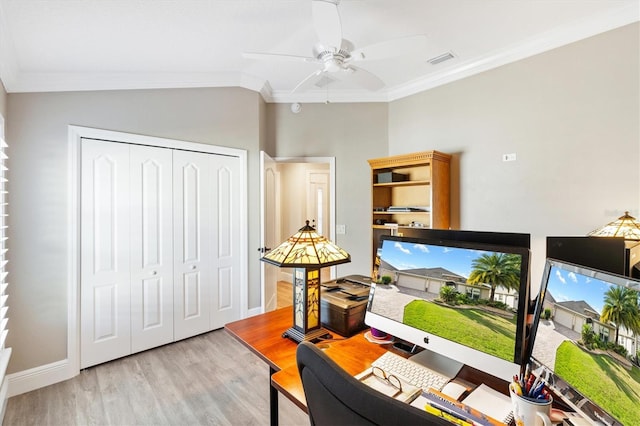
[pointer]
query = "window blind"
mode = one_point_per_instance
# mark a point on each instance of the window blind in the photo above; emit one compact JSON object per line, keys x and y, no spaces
{"x":5,"y":353}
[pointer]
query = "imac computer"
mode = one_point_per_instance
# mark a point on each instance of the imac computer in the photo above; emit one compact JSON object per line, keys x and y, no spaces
{"x":462,"y":300}
{"x":586,"y":341}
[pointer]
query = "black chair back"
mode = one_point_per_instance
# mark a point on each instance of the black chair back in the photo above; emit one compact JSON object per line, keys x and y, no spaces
{"x":336,"y":398}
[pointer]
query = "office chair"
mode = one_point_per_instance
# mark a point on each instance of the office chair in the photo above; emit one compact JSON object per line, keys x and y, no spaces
{"x":334,"y":397}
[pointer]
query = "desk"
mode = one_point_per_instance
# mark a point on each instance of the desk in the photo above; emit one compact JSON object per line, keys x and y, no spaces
{"x":262,"y":335}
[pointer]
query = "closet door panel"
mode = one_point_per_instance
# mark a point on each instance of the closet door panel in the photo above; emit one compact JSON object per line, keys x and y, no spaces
{"x":225,"y":258}
{"x":151,"y":247}
{"x":192,"y":250}
{"x":105,"y":265}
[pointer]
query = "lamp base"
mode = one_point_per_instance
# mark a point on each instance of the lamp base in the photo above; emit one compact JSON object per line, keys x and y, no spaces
{"x":311,"y":336}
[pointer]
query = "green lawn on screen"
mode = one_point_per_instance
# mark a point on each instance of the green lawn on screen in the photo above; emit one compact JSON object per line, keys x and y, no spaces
{"x":471,"y":327}
{"x":603,"y":380}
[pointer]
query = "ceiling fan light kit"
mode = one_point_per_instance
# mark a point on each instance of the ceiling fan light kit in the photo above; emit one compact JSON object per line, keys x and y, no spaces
{"x":336,"y":55}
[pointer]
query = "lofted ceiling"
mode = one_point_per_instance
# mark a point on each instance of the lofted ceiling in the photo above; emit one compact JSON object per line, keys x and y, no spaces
{"x":69,"y":45}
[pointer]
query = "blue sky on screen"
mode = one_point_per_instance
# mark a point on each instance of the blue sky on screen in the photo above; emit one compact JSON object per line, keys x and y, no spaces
{"x":406,"y":255}
{"x":566,"y":285}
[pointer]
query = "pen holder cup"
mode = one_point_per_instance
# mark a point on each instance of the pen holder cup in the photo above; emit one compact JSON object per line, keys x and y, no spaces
{"x":530,"y":412}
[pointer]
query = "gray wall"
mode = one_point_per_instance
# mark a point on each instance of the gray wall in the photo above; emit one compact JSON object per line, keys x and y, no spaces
{"x":572,"y":117}
{"x":38,"y":187}
{"x":352,"y":133}
{"x":3,"y":101}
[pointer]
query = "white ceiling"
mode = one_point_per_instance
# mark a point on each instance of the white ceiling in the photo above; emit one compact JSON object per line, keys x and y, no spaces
{"x":63,"y":45}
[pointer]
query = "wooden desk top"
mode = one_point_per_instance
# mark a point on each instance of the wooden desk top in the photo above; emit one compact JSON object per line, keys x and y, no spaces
{"x":354,"y":355}
{"x":262,"y":334}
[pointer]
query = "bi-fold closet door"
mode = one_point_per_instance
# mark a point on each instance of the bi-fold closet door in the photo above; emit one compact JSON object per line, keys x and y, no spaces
{"x":159,"y":246}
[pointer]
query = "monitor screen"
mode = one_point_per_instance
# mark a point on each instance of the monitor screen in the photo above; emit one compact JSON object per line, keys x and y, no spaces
{"x":466,"y":301}
{"x":588,"y":327}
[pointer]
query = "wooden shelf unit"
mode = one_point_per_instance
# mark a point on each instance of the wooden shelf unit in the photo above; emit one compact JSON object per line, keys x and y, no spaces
{"x":426,"y":187}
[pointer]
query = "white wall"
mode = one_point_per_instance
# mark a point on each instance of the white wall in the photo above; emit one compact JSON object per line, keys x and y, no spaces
{"x":293,"y":196}
{"x":572,"y":117}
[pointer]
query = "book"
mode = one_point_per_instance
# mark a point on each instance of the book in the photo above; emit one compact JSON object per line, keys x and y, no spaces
{"x":437,"y":399}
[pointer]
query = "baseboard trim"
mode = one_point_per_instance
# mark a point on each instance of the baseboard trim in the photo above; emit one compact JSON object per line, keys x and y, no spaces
{"x":254,"y":311}
{"x":39,"y":377}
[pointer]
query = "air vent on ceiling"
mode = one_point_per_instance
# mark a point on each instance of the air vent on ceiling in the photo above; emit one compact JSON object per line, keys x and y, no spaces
{"x":441,"y":58}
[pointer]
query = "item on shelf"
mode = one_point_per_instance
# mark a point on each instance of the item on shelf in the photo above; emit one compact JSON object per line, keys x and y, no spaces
{"x":408,"y":209}
{"x":388,"y":177}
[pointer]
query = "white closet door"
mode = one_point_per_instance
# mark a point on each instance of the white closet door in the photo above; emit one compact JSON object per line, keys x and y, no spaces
{"x":193,"y":228}
{"x":104,"y":266}
{"x":151,"y":247}
{"x":225,"y":258}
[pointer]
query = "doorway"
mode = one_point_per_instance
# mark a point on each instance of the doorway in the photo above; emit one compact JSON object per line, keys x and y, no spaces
{"x":294,"y":190}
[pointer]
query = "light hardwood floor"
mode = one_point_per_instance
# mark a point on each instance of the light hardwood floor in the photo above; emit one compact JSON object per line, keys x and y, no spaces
{"x":209,"y":379}
{"x":285,"y":294}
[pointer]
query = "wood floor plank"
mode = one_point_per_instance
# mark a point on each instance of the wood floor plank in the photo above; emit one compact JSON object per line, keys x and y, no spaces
{"x":209,"y":379}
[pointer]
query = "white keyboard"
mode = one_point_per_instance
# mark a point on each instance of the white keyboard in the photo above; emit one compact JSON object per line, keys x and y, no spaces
{"x":410,"y":372}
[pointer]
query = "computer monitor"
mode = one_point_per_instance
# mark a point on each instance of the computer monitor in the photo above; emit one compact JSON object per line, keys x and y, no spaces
{"x":464,"y":300}
{"x":585,"y":345}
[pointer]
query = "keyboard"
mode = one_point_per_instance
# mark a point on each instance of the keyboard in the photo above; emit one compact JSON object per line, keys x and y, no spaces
{"x":410,"y":372}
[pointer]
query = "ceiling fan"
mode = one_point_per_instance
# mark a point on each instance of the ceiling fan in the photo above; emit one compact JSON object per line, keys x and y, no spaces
{"x":337,"y":55}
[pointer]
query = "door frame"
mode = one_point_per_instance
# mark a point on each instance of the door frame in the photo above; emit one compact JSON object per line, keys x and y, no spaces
{"x":75,"y":134}
{"x":331,"y":161}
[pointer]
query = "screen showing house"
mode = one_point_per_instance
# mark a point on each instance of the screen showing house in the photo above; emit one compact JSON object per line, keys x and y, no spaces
{"x":462,"y":292}
{"x":586,"y":343}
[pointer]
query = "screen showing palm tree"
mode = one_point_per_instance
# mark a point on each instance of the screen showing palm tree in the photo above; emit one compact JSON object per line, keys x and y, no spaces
{"x":587,"y":341}
{"x":469,"y":294}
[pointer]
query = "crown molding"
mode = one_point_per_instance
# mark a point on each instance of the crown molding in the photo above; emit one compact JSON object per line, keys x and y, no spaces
{"x":547,"y":41}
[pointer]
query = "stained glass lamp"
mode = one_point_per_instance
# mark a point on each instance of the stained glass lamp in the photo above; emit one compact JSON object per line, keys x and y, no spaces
{"x":626,"y":226}
{"x":306,"y":251}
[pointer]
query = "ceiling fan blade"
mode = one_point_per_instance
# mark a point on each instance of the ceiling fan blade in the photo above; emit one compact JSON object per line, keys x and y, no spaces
{"x":361,"y":77}
{"x":278,"y":57}
{"x":326,"y":21}
{"x":414,"y":45}
{"x":309,"y":81}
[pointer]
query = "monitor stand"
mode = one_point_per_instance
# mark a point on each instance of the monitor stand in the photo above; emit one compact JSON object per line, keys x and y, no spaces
{"x":437,"y":362}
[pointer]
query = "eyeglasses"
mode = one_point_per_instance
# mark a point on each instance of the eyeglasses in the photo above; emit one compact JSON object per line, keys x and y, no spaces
{"x":389,"y":378}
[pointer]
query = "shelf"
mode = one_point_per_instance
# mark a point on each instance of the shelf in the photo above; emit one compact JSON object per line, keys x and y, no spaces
{"x":426,"y":180}
{"x":390,"y":213}
{"x":403,"y":183}
{"x":399,"y":227}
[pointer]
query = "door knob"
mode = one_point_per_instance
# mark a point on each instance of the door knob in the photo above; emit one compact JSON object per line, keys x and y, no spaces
{"x":264,"y":249}
{"x":193,"y":266}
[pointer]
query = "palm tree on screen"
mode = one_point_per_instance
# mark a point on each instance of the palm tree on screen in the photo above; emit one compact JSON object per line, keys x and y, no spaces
{"x":621,"y":308}
{"x":496,"y":269}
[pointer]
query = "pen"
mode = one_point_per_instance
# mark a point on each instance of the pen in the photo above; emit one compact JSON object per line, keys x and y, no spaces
{"x":515,"y":387}
{"x":537,"y":391}
{"x":528,"y":384}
